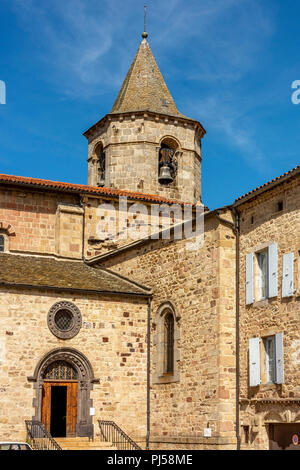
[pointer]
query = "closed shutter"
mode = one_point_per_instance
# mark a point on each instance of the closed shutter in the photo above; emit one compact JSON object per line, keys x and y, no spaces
{"x":254,"y":362}
{"x":288,"y":275}
{"x":249,"y":278}
{"x":272,"y":270}
{"x":279,"y":359}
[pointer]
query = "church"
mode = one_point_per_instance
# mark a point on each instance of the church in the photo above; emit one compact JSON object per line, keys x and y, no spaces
{"x":148,"y":341}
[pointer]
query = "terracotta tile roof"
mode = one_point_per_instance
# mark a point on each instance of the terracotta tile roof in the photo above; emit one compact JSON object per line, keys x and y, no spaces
{"x":81,"y":188}
{"x":144,"y":88}
{"x":269,"y":184}
{"x":72,"y":275}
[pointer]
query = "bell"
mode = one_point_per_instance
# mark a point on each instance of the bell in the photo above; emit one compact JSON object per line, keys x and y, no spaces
{"x":165,"y":176}
{"x":101,"y":181}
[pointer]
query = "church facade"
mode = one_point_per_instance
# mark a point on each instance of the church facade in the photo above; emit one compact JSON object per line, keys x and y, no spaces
{"x":108,"y":314}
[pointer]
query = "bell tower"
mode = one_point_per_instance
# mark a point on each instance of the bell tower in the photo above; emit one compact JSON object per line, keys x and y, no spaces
{"x":145,"y":144}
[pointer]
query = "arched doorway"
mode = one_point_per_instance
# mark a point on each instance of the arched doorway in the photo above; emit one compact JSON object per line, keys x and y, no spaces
{"x":63,"y":379}
{"x":60,"y":399}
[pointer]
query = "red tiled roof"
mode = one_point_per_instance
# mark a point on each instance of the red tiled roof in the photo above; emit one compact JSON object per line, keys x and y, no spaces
{"x":81,"y":188}
{"x":269,"y":184}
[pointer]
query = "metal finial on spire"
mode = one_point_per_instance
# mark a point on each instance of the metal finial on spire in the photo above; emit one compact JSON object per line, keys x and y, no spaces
{"x":145,"y":35}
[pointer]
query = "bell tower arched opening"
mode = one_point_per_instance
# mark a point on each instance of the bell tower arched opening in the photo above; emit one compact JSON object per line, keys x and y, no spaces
{"x":167,"y":161}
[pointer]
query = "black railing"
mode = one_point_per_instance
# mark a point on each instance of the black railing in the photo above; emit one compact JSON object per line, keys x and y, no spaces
{"x":39,"y":438}
{"x":110,"y":432}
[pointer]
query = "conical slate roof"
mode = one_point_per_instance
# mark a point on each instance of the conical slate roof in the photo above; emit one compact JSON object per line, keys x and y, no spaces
{"x":144,"y":88}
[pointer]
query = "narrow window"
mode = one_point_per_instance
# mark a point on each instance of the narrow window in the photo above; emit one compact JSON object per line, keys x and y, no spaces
{"x":101,"y":164}
{"x":269,"y":344}
{"x":246,"y":434}
{"x":169,"y":344}
{"x":2,"y":243}
{"x":280,"y":206}
{"x":262,"y":259}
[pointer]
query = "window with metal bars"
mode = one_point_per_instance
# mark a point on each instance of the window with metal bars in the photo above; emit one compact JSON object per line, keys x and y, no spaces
{"x":60,"y":370}
{"x":2,"y":243}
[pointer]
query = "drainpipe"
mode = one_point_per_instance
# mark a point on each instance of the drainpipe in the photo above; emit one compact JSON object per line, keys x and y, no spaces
{"x":82,"y":203}
{"x":148,"y":372}
{"x":237,"y":348}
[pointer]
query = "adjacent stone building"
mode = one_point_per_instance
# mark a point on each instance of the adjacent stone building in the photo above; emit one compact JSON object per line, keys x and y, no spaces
{"x":128,"y":300}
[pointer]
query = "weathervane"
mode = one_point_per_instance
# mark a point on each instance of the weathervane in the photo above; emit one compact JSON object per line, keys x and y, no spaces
{"x":145,"y":35}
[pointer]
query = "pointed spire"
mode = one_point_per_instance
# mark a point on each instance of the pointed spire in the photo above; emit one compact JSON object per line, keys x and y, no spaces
{"x":144,"y":88}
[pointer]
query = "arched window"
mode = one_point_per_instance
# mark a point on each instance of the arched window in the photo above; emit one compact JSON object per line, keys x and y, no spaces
{"x":166,"y":344}
{"x":101,"y":164}
{"x":169,"y":343}
{"x":2,"y":243}
{"x":167,"y":161}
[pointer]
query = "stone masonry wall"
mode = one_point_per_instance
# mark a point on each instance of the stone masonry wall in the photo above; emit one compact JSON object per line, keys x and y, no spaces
{"x":200,"y":284}
{"x":37,"y":225}
{"x":262,"y":222}
{"x":112,"y":337}
{"x":131,"y":144}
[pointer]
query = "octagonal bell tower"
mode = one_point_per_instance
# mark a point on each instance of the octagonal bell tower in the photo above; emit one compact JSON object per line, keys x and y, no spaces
{"x":145,"y":144}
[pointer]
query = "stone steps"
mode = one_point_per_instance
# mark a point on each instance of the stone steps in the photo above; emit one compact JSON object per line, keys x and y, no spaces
{"x":83,"y":443}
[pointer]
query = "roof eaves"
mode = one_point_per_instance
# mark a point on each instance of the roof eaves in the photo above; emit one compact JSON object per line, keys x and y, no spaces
{"x":75,"y":289}
{"x":85,"y":189}
{"x":267,"y":186}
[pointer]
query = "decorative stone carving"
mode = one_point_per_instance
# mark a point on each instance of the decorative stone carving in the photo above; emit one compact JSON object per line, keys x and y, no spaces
{"x":86,"y":379}
{"x":64,"y":320}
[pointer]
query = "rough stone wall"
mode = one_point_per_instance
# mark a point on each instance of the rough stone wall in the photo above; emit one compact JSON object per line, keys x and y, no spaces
{"x":52,"y":224}
{"x":261,"y":222}
{"x":112,"y":224}
{"x":131,"y":144}
{"x":35,"y":224}
{"x":200,"y":284}
{"x":112,"y":337}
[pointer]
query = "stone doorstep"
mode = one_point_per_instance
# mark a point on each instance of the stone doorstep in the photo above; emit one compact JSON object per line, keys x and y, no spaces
{"x":194,"y":440}
{"x":83,"y":443}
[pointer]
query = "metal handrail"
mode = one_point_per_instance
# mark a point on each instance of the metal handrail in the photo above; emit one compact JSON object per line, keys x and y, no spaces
{"x":111,"y":432}
{"x":39,"y":438}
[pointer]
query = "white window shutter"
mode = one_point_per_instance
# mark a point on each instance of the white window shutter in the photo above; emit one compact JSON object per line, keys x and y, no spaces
{"x":249,"y":279}
{"x":273,"y":270}
{"x":279,"y":359}
{"x":288,"y":275}
{"x":254,"y":361}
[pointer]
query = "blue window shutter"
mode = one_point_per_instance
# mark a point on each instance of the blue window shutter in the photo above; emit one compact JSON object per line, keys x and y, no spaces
{"x":249,"y":278}
{"x":273,"y":270}
{"x":279,"y":359}
{"x":288,"y":275}
{"x":254,"y":361}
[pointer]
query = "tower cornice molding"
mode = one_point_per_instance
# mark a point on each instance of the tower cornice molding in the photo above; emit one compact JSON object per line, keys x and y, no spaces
{"x":110,"y":117}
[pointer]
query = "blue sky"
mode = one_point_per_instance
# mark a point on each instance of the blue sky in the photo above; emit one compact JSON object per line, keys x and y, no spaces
{"x":228,"y":63}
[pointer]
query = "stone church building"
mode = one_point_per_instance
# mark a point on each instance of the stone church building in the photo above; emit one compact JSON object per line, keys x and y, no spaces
{"x":181,"y":347}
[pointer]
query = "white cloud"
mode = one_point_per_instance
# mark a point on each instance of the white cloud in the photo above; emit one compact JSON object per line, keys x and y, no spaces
{"x":86,"y":47}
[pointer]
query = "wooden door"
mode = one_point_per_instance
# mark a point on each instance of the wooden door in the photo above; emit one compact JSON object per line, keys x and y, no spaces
{"x":46,"y":405}
{"x":72,"y":408}
{"x":284,"y":436}
{"x":71,"y":405}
